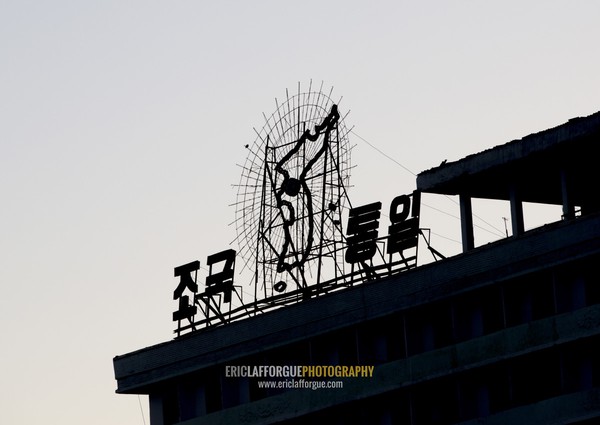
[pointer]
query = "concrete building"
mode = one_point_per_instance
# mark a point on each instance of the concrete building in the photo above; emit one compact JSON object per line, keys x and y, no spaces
{"x":504,"y":333}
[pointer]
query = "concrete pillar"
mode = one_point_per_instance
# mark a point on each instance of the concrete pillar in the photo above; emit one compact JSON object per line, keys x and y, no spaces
{"x":568,"y":207}
{"x":157,"y":413}
{"x":516,"y":211}
{"x":466,"y":222}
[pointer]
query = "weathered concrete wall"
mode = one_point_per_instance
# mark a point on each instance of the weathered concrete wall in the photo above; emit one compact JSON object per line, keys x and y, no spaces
{"x":503,"y":345}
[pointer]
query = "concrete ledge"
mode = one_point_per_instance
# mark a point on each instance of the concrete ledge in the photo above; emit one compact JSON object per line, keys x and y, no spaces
{"x":566,"y":409}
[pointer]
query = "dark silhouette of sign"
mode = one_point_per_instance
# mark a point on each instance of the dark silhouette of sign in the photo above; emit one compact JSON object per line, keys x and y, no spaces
{"x":292,"y":187}
{"x":362,"y":231}
{"x":186,"y":310}
{"x":290,"y":209}
{"x":221,"y":281}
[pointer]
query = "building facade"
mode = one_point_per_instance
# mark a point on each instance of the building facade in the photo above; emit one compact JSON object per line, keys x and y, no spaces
{"x":508,"y":332}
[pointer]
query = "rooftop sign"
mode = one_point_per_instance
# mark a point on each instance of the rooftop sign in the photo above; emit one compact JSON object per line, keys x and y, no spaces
{"x":291,"y":207}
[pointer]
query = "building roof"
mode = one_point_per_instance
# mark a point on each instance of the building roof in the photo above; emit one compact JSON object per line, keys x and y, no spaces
{"x":140,"y":371}
{"x":532,"y":163}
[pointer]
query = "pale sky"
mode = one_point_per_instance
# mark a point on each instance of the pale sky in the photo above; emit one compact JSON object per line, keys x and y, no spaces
{"x":121,"y":124}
